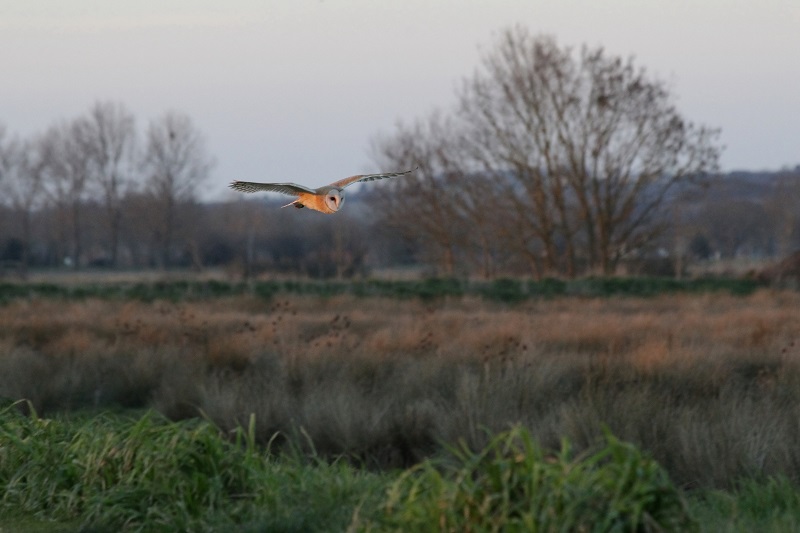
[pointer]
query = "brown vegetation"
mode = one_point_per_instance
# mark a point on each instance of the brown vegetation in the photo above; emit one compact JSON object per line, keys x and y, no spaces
{"x":709,"y":384}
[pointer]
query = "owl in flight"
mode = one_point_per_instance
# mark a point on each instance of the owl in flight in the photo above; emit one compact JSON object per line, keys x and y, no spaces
{"x":328,"y":199}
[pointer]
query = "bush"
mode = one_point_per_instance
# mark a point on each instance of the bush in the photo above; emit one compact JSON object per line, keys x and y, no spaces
{"x":506,"y":290}
{"x":513,"y":485}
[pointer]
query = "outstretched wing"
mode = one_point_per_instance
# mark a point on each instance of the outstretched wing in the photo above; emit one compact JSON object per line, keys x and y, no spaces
{"x":341,"y":184}
{"x":291,"y":189}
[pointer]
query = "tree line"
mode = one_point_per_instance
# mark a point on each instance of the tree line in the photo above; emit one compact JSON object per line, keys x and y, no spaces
{"x":95,"y":192}
{"x":78,"y":191}
{"x":554,"y":161}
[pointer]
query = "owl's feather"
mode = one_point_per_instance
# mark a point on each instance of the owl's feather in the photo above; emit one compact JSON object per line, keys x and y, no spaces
{"x":367,"y":177}
{"x":292,"y":189}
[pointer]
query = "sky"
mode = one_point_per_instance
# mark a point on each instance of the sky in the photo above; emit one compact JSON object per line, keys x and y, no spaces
{"x":297,"y":90}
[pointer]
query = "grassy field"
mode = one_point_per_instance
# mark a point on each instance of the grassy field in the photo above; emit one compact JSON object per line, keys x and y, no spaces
{"x":109,"y":472}
{"x":364,"y":393}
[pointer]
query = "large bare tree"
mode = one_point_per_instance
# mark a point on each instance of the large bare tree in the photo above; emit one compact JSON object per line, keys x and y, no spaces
{"x":593,"y":143}
{"x":581,"y":148}
{"x":108,"y":136}
{"x":176,"y":163}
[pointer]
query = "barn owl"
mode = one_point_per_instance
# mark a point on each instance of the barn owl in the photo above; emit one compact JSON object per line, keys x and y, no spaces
{"x":328,"y":199}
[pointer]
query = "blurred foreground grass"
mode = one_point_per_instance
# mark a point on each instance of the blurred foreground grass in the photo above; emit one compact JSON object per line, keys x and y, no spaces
{"x":140,"y":472}
{"x":143,"y":473}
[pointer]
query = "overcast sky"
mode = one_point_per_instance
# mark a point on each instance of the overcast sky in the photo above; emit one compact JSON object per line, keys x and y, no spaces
{"x":295,"y":90}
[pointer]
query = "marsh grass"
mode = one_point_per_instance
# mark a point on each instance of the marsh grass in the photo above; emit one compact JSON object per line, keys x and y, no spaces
{"x":708,"y":384}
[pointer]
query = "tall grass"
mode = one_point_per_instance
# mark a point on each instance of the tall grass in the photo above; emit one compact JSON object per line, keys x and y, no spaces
{"x":116,"y":475}
{"x":147,"y":474}
{"x":144,"y":473}
{"x":708,"y":384}
{"x":139,"y":472}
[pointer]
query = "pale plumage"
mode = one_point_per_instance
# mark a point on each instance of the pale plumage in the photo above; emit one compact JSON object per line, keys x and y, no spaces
{"x":328,"y":199}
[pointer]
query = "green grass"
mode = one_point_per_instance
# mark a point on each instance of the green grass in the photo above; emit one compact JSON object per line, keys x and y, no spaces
{"x":513,"y":485}
{"x":139,"y":472}
{"x":771,"y":504}
{"x":108,"y":472}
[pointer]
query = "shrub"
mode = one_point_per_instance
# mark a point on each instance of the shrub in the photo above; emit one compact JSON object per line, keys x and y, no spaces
{"x":513,"y":485}
{"x":506,"y":290}
{"x":548,"y":287}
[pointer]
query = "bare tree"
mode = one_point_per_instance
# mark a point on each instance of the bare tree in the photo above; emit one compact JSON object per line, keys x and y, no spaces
{"x":577,"y":151}
{"x":783,"y":209}
{"x":108,"y":136}
{"x":8,"y":151}
{"x":22,"y":181}
{"x":176,"y":163}
{"x":64,"y":164}
{"x":9,"y":160}
{"x":420,"y":206}
{"x":593,"y":144}
{"x":443,"y":207}
{"x":242,"y":220}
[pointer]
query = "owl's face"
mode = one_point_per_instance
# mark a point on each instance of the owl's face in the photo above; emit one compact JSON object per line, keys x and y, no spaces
{"x":334,"y":199}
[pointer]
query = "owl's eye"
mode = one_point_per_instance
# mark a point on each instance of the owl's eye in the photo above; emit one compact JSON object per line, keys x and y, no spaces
{"x":332,"y":198}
